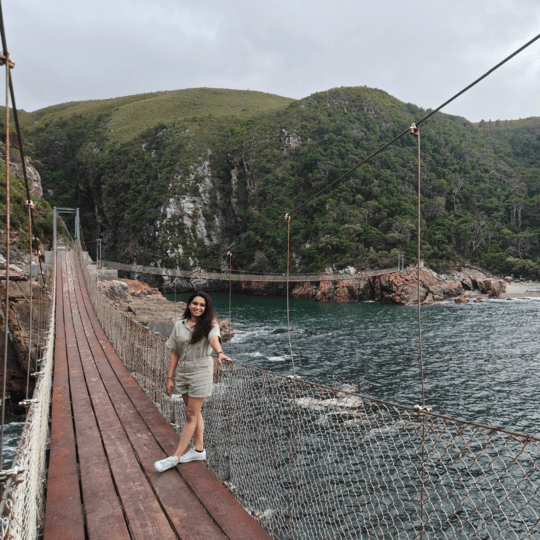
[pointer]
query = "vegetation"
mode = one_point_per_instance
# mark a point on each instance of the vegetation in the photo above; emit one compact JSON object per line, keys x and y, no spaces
{"x":134,"y":166}
{"x":43,"y":214}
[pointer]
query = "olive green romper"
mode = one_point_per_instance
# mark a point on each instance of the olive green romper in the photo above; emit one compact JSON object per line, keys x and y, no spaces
{"x":194,"y":373}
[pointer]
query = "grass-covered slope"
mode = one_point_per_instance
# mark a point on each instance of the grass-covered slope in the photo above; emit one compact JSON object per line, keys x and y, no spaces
{"x":175,"y":177}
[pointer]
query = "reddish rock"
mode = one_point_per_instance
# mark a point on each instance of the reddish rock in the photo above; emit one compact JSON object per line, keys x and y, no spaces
{"x":305,"y":291}
{"x":149,"y":307}
{"x":394,"y":288}
{"x":492,"y":287}
{"x":461,"y":300}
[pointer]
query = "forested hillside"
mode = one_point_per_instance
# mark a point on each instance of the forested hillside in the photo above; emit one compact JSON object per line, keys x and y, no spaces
{"x":176,"y":178}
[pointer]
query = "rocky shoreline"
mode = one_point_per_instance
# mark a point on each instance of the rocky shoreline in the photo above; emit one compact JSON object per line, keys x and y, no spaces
{"x":394,"y":288}
{"x":148,"y":306}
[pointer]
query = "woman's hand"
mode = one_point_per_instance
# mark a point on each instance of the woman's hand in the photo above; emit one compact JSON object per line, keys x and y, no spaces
{"x":169,"y":386}
{"x":221,"y":356}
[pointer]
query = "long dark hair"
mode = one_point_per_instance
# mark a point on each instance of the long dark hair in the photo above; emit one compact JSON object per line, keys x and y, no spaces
{"x":206,"y":320}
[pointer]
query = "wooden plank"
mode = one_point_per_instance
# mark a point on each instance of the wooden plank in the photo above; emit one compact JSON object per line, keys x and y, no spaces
{"x":229,"y":514}
{"x":63,"y":518}
{"x":101,"y":504}
{"x":145,"y":516}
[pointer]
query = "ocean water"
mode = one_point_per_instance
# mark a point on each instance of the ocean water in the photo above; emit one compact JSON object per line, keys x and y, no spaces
{"x":481,"y":361}
{"x":12,"y":434}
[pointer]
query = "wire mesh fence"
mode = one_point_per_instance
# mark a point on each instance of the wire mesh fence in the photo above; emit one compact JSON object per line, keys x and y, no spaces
{"x":313,"y":462}
{"x":23,"y":499}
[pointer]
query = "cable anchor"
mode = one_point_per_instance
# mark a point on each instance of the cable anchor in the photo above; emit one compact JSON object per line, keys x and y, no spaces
{"x":29,"y":204}
{"x":4,"y":475}
{"x":6,"y":57}
{"x":414,"y":130}
{"x":37,"y":374}
{"x":421,"y":409}
{"x":28,"y":402}
{"x":287,"y":217}
{"x":229,"y":253}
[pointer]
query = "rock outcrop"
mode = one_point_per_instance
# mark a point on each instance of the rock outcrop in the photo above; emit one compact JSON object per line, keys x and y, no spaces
{"x":148,"y":306}
{"x":16,"y":168}
{"x":394,"y":288}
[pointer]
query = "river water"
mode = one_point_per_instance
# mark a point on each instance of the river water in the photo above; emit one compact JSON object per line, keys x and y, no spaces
{"x":481,"y":360}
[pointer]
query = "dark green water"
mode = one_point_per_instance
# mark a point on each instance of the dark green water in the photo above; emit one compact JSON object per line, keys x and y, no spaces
{"x":481,"y":360}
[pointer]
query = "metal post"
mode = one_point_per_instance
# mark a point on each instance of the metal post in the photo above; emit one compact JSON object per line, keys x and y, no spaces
{"x":77,"y":233}
{"x":54,"y":224}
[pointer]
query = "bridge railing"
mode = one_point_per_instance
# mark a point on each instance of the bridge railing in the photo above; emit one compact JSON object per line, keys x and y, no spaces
{"x":23,"y":500}
{"x":237,"y":276}
{"x":314,"y":462}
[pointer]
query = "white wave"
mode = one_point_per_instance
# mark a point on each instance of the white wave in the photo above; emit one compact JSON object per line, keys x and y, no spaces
{"x":276,"y":358}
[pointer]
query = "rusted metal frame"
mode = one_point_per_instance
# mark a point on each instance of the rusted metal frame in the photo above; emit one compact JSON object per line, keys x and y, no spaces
{"x":175,"y":496}
{"x":228,"y":513}
{"x":64,"y":518}
{"x":145,"y":517}
{"x":101,"y":505}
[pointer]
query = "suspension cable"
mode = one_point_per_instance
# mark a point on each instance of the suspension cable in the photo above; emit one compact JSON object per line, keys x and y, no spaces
{"x":288,"y":219}
{"x":29,"y":205}
{"x":6,"y":321}
{"x":415,"y":130}
{"x":229,"y":254}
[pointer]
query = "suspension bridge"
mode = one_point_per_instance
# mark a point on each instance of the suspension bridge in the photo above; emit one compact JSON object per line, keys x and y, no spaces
{"x":226,"y":276}
{"x":288,"y":459}
{"x":106,"y":435}
{"x":306,"y":460}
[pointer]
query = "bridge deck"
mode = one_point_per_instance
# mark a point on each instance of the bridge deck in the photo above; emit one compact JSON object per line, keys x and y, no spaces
{"x":105,"y":437}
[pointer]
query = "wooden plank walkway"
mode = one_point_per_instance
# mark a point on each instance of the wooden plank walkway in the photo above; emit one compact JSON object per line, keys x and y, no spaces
{"x":105,"y":437}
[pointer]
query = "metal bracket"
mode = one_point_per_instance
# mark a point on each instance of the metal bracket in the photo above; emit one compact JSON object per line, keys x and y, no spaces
{"x":28,"y":402}
{"x":8,"y":57}
{"x":421,"y":409}
{"x":37,"y":373}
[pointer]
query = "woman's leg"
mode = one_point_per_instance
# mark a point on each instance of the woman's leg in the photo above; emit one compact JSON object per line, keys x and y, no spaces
{"x":193,"y":427}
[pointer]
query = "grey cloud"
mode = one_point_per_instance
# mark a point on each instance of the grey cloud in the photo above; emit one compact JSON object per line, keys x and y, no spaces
{"x":420,"y":52}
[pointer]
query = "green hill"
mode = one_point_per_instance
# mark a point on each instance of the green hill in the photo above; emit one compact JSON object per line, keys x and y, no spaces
{"x":174,"y":178}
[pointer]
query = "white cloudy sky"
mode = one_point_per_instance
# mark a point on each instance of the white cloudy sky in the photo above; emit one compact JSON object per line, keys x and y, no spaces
{"x":421,"y":51}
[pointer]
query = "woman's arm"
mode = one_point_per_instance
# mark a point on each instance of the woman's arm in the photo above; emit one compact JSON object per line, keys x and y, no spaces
{"x":173,"y":362}
{"x":215,"y":343}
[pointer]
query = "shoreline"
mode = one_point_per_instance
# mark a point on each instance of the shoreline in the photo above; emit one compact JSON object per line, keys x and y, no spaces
{"x":521,"y":289}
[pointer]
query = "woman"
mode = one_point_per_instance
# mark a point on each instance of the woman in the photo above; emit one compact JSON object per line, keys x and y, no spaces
{"x":191,"y":343}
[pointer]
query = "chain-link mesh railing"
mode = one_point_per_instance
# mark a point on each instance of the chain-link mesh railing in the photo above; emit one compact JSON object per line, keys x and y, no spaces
{"x":313,"y":462}
{"x":23,"y":500}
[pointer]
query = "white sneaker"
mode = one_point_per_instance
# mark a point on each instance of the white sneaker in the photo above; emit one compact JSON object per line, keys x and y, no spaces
{"x":193,"y":455}
{"x":167,"y":463}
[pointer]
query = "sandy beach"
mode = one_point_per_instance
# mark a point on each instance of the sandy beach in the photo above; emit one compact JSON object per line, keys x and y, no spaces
{"x":522,"y":289}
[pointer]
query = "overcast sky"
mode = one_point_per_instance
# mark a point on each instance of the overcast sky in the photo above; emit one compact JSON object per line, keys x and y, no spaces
{"x":420,"y":51}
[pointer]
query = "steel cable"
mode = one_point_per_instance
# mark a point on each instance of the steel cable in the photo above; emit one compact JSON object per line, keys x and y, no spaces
{"x":6,"y":321}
